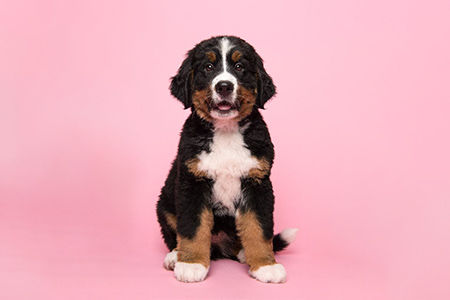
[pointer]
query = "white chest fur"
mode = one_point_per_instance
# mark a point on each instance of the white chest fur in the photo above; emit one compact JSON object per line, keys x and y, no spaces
{"x":228,"y":161}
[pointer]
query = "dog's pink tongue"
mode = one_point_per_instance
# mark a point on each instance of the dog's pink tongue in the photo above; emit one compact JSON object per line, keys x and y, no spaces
{"x":224,"y":106}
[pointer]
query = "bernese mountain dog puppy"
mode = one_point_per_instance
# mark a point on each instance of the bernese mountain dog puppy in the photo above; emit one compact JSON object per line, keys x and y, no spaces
{"x":217,"y":201}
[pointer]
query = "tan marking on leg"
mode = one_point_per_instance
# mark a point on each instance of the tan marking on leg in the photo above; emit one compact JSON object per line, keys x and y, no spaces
{"x":247,"y":100}
{"x":192,"y":165}
{"x":200,"y":100}
{"x":236,"y":55}
{"x":171,"y":220}
{"x":198,"y":249}
{"x":261,"y":171}
{"x":211,"y":56}
{"x":258,"y":251}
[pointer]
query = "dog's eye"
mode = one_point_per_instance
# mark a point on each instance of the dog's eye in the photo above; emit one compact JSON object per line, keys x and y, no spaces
{"x":209,"y":67}
{"x":239,"y":67}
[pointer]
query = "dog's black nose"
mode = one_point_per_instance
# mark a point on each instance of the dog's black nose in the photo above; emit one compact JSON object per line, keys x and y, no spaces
{"x":224,"y":88}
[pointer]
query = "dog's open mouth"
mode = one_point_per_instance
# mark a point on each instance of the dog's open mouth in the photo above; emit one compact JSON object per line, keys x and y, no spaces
{"x":224,"y":107}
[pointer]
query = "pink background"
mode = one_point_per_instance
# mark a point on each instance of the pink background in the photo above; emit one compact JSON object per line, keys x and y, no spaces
{"x":361,"y":126}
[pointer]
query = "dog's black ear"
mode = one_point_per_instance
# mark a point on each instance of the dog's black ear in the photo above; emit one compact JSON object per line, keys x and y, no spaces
{"x":181,"y":84}
{"x":266,"y":88}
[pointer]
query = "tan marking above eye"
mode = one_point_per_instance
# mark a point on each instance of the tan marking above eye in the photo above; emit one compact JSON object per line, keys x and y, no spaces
{"x":211,"y":56}
{"x":236,"y":55}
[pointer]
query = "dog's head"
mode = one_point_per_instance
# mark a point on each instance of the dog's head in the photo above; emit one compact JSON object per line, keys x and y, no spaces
{"x":222,"y":78}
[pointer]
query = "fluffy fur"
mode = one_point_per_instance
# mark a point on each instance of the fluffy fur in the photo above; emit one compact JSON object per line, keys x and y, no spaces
{"x":217,"y":201}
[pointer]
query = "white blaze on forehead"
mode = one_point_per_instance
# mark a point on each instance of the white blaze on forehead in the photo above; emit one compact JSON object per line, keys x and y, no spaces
{"x":225,"y":48}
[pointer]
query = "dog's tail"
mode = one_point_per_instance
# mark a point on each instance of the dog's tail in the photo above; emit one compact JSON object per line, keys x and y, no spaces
{"x":284,"y":238}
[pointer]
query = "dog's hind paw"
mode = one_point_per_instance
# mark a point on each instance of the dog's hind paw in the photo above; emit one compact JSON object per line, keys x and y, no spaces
{"x":170,"y":260}
{"x":241,"y":256}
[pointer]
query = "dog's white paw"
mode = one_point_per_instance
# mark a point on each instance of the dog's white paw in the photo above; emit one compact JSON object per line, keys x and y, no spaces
{"x":170,"y":260}
{"x":273,"y":273}
{"x":241,"y":257}
{"x":190,"y":272}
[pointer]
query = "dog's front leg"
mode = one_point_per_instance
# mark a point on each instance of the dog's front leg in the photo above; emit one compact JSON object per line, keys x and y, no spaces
{"x":194,"y":252}
{"x":254,"y":223}
{"x":195,"y":221}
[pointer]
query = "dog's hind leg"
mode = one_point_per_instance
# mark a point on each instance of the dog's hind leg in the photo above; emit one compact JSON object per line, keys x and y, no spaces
{"x":166,"y":212}
{"x":167,"y":221}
